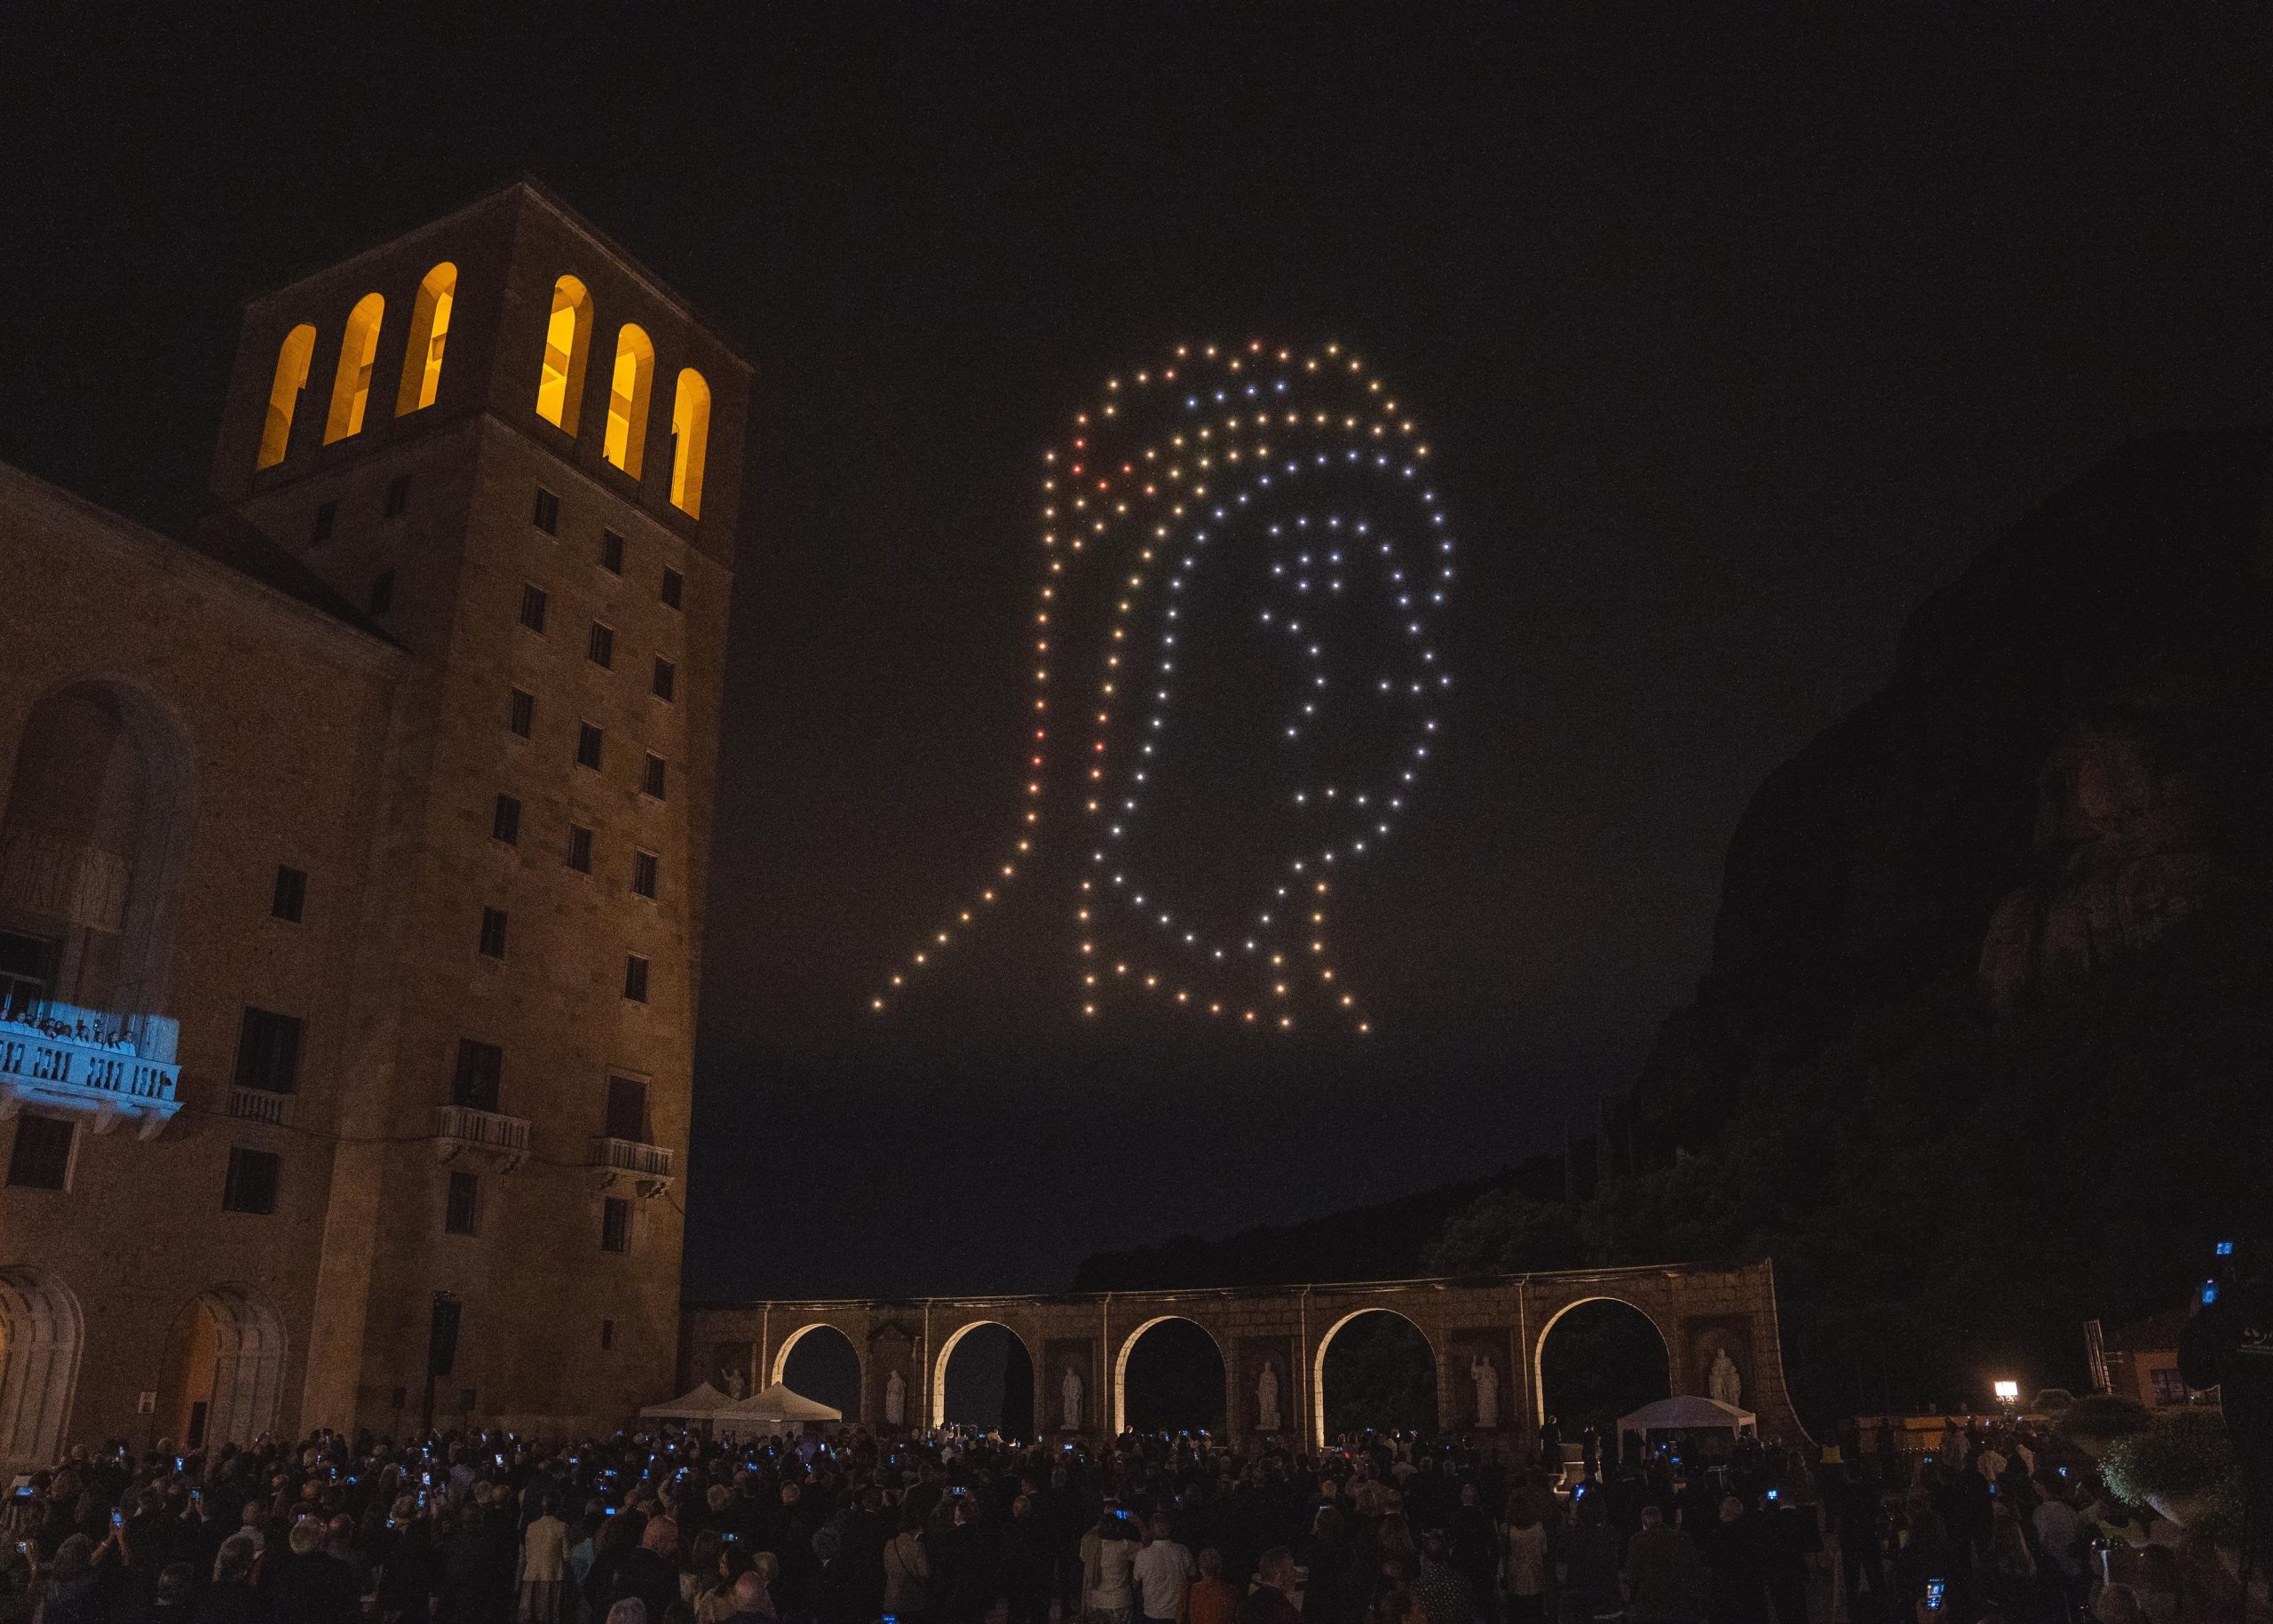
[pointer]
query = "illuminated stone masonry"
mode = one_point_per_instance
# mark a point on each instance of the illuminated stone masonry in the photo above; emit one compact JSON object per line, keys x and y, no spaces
{"x":1706,"y":1315}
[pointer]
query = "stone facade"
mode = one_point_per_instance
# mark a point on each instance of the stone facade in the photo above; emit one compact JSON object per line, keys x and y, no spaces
{"x":1698,"y":1310}
{"x":327,"y":682}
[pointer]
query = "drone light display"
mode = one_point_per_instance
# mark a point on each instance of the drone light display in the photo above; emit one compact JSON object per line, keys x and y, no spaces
{"x":1257,"y":527}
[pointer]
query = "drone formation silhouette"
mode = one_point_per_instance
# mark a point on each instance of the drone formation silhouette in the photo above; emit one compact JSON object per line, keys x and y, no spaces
{"x":1255,"y":528}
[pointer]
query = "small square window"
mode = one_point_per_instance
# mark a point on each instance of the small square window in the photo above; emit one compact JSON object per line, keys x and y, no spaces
{"x":290,"y":898}
{"x":479,"y":1075}
{"x":634,"y":978}
{"x":268,"y":1052}
{"x":580,"y":848}
{"x":327,"y":515}
{"x":505,"y":822}
{"x":674,"y":588}
{"x":589,"y":741}
{"x":533,"y":606}
{"x":547,"y":516}
{"x":493,"y":932}
{"x":462,"y":1213}
{"x":252,"y":1186}
{"x":599,"y":647}
{"x":607,"y":1335}
{"x":383,"y":592}
{"x":41,"y":1159}
{"x":611,"y":553}
{"x":644,"y":867}
{"x":520,"y":713}
{"x":397,"y":495}
{"x":616,"y":1225}
{"x":652,"y":779}
{"x":665,"y":679}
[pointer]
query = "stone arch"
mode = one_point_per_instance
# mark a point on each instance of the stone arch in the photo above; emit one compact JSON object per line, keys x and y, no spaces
{"x":225,"y":1370}
{"x":947,"y":1344}
{"x":93,"y":838}
{"x":41,"y":1333}
{"x":1537,"y":1357}
{"x":1120,"y":1384}
{"x":778,"y":1370}
{"x":1326,"y":1342}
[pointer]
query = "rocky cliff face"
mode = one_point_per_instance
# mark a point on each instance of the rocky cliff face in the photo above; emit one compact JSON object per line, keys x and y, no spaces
{"x":2070,"y":762}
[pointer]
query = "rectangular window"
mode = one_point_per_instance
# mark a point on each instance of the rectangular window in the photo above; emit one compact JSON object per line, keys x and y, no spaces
{"x":533,"y":606}
{"x":27,"y":967}
{"x":599,"y":647}
{"x":520,"y":713}
{"x":588,"y":746}
{"x":397,"y":495}
{"x":616,"y":1225}
{"x":580,"y":848}
{"x":327,"y":514}
{"x":505,"y":822}
{"x":493,"y":932}
{"x":634,"y":978}
{"x":481,"y":1069}
{"x":547,"y":516}
{"x":674,"y":588}
{"x":383,"y":592}
{"x":626,"y":1109}
{"x":42,"y":1157}
{"x":462,"y":1213}
{"x":652,"y":779}
{"x":644,"y":867}
{"x":666,"y":678}
{"x":251,"y":1186}
{"x":607,"y":1335}
{"x":611,"y":553}
{"x":290,"y":899}
{"x":268,"y":1052}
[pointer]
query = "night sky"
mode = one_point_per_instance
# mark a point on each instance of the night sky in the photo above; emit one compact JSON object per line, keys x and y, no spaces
{"x":1733,"y":342}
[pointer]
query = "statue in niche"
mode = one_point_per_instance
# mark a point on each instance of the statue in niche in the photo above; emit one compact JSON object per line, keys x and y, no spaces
{"x":1266,"y":1398}
{"x":1069,"y":1400}
{"x":1723,"y":1380}
{"x":895,"y":1400}
{"x":735,"y":1385}
{"x":1485,"y":1376}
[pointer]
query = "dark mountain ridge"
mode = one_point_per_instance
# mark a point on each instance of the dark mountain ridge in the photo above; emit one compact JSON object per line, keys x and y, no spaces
{"x":1986,"y":1043}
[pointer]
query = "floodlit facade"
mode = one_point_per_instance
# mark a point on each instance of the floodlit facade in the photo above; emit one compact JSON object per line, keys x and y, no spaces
{"x":351,"y":874}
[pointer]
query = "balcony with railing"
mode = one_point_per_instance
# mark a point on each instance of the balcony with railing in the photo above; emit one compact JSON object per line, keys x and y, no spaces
{"x":252,"y":1105}
{"x":463,"y":1132}
{"x":112,"y":1067}
{"x":631,"y":1165}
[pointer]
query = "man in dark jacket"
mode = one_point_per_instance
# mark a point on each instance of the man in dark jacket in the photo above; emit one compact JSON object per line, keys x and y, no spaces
{"x":309,"y":1584}
{"x":1665,"y":1571}
{"x":649,"y":1573}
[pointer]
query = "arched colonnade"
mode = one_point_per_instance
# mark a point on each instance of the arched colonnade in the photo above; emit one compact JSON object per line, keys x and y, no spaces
{"x":1485,"y":1335}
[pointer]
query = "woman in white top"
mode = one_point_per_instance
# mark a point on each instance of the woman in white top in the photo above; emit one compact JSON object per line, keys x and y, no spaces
{"x":1107,"y":1564}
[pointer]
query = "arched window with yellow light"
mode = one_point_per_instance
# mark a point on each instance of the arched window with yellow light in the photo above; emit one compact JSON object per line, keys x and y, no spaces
{"x":429,"y":330}
{"x":350,"y":385}
{"x":690,"y":439}
{"x":293,"y":357}
{"x":567,"y":335}
{"x":633,"y":378}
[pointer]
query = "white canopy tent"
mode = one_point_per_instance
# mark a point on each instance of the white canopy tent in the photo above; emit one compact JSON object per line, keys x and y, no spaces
{"x":1689,"y":1412}
{"x":775,"y":1407}
{"x":705,"y":1403}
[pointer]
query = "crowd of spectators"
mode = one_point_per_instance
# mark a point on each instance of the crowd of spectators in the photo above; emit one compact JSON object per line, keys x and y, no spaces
{"x":490,"y":1528}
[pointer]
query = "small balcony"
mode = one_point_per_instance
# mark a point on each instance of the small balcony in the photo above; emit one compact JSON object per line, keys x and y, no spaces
{"x":628,"y":1164}
{"x":261,"y":1106}
{"x":115,"y":1068}
{"x":463,"y":1132}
